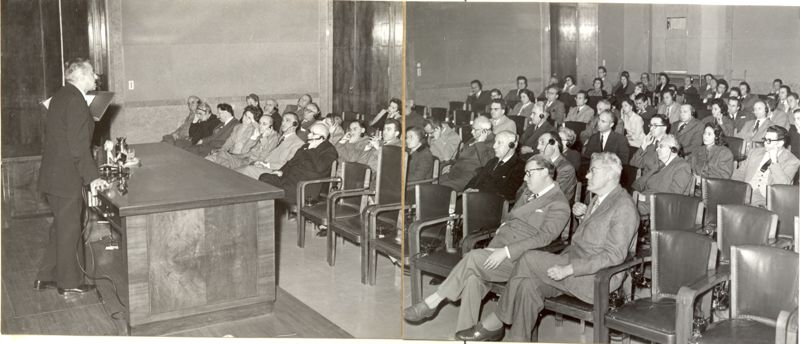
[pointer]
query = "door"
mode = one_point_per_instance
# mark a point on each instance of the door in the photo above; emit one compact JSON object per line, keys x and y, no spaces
{"x":564,"y":39}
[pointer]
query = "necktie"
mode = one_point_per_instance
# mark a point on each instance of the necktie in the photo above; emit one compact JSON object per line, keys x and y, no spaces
{"x":499,"y":162}
{"x":602,"y":143}
{"x":593,"y":206}
{"x":280,"y":141}
{"x":765,"y":166}
{"x":683,"y":125}
{"x":755,"y":127}
{"x":532,"y":197}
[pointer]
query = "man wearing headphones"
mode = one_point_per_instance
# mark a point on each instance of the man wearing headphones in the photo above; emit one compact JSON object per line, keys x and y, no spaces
{"x":288,"y":144}
{"x":504,"y":173}
{"x":607,"y":140}
{"x":476,"y":153}
{"x":312,"y":161}
{"x":673,"y":176}
{"x":669,"y":107}
{"x":500,"y":122}
{"x":539,"y":125}
{"x":538,"y":217}
{"x":550,"y":146}
{"x":688,"y":130}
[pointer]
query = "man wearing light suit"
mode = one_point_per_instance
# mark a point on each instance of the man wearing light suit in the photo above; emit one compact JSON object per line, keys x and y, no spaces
{"x":755,"y":129}
{"x":580,"y":112}
{"x":555,"y":108}
{"x":538,"y":218}
{"x":288,"y":144}
{"x":603,"y":238}
{"x":773,"y":164}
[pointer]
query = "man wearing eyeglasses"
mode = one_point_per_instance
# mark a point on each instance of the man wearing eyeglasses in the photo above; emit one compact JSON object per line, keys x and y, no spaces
{"x":603,"y":238}
{"x":554,"y":107}
{"x":539,"y":216}
{"x":500,"y":122}
{"x":475,"y":153}
{"x":770,"y":165}
{"x":645,"y":158}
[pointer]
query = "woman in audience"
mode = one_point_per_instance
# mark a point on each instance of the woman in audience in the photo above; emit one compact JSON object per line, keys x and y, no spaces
{"x":525,"y":105}
{"x":638,"y":89}
{"x":713,"y":159}
{"x":420,"y":158}
{"x":251,"y":100}
{"x":392,"y":111}
{"x":569,"y":85}
{"x":644,"y":79}
{"x":568,"y":137}
{"x":720,"y":117}
{"x":597,"y":89}
{"x":624,"y":88}
{"x":634,"y":125}
{"x":235,"y":145}
{"x":663,"y":85}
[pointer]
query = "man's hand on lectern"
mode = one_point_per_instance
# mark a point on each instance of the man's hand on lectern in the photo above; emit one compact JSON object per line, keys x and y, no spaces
{"x":99,"y":184}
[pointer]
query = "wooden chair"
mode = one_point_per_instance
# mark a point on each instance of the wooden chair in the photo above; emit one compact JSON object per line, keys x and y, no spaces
{"x":675,"y":212}
{"x":421,"y":110}
{"x":387,"y":191}
{"x":743,"y":225}
{"x":679,"y":258}
{"x":462,"y":118}
{"x":309,"y":192}
{"x":455,"y":105}
{"x":737,"y":147}
{"x":784,"y":200}
{"x":722,"y":191}
{"x":351,"y":176}
{"x":439,"y":113}
{"x":764,"y":284}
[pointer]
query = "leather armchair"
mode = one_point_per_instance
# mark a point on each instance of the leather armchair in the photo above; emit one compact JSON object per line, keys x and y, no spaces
{"x":743,"y":225}
{"x":675,"y":212}
{"x":784,"y":200}
{"x":722,"y":191}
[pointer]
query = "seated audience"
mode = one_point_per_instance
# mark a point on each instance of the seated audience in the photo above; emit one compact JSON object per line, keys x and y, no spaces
{"x":538,"y":126}
{"x":634,"y":126}
{"x":719,"y":116}
{"x":240,"y":141}
{"x":603,"y":239}
{"x":502,"y":174}
{"x":776,"y":87}
{"x":601,"y":74}
{"x":721,"y":92}
{"x":569,"y":86}
{"x":413,"y":119}
{"x":554,"y":82}
{"x":644,"y":79}
{"x":258,"y":146}
{"x":777,"y":115}
{"x":539,"y":216}
{"x":738,"y":115}
{"x":524,"y":105}
{"x":783,"y":93}
{"x":568,"y":137}
{"x":311,"y":115}
{"x":713,"y":159}
{"x":597,"y":89}
{"x":669,"y":107}
{"x":710,"y":88}
{"x":688,"y":129}
{"x":219,"y":134}
{"x":550,"y":147}
{"x":389,"y":136}
{"x":580,"y":112}
{"x":674,"y":174}
{"x":794,"y":135}
{"x":645,"y":110}
{"x":287,"y":145}
{"x":591,"y":128}
{"x":554,"y":107}
{"x":688,"y":86}
{"x":773,"y":164}
{"x":271,"y":109}
{"x":334,"y":124}
{"x":420,"y":159}
{"x":646,"y":158}
{"x":477,"y":99}
{"x":755,"y":129}
{"x":624,"y":88}
{"x":792,"y":101}
{"x":513,"y":95}
{"x":746,"y":99}
{"x":442,"y":139}
{"x":475,"y":153}
{"x":182,"y":132}
{"x":606,"y":140}
{"x":392,"y":111}
{"x":662,"y":86}
{"x":500,"y":122}
{"x":251,"y":100}
{"x":352,"y":145}
{"x":301,"y":104}
{"x":638,"y":88}
{"x":202,"y":125}
{"x":496,"y":94}
{"x":312,"y":161}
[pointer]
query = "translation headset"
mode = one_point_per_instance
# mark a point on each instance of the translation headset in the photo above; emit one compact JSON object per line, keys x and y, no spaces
{"x":512,"y":144}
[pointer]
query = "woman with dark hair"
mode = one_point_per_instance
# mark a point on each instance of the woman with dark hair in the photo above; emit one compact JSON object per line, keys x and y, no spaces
{"x":420,"y":158}
{"x":663,"y":85}
{"x":638,"y":89}
{"x":525,"y":105}
{"x":569,"y":85}
{"x":391,"y":111}
{"x":719,"y":116}
{"x":597,"y":89}
{"x":633,"y":123}
{"x":713,"y":159}
{"x":624,"y":88}
{"x":239,"y":142}
{"x":644,"y":79}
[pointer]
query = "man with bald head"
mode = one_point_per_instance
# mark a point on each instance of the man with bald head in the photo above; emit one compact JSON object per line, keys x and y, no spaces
{"x":183,"y":131}
{"x":476,"y":153}
{"x":538,"y":126}
{"x":312,"y":161}
{"x":503,"y":174}
{"x":606,"y":139}
{"x":271,"y":109}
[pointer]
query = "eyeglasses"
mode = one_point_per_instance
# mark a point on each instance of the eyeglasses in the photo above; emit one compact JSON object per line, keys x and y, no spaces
{"x":528,"y":172}
{"x":767,"y":141}
{"x":495,"y":109}
{"x":657,"y":125}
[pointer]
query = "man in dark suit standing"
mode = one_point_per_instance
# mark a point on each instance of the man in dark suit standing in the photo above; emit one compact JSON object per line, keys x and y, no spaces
{"x":477,"y":100}
{"x":220,"y":134}
{"x":504,"y":173}
{"x":67,"y":166}
{"x":607,"y":140}
{"x":539,"y":216}
{"x":603,"y":239}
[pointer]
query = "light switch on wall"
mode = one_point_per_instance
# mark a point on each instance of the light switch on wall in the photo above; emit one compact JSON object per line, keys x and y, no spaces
{"x":130,"y":85}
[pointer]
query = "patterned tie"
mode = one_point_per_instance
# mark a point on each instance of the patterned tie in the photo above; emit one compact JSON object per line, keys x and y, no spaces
{"x":755,"y":127}
{"x":532,"y":197}
{"x":683,"y":125}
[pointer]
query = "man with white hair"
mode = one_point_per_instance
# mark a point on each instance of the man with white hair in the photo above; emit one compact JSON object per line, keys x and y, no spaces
{"x":539,"y":125}
{"x":183,"y":130}
{"x":674,"y":174}
{"x":504,"y":173}
{"x":603,"y":239}
{"x":67,"y":167}
{"x":476,"y":153}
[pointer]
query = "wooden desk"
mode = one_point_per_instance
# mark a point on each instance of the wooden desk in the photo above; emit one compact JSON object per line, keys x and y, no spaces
{"x":197,"y":242}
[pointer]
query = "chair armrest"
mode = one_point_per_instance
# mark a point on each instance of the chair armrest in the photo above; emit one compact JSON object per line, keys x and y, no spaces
{"x":336,"y":195}
{"x":302,"y":185}
{"x":470,"y":240}
{"x":416,"y":228}
{"x":684,"y":314}
{"x":602,"y":286}
{"x":420,"y":182}
{"x":782,"y":243}
{"x":786,"y":327}
{"x":372,"y":212}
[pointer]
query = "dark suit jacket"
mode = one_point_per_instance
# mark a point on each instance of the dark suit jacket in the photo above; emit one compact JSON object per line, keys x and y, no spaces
{"x":728,"y":126}
{"x":414,"y":120}
{"x":746,"y":103}
{"x":690,"y":137}
{"x":307,"y":164}
{"x":531,"y":135}
{"x":470,"y":159}
{"x":201,"y":130}
{"x":478,"y":104}
{"x":504,"y":180}
{"x":556,"y":111}
{"x":216,"y":139}
{"x":67,"y":162}
{"x":712,"y":162}
{"x":513,"y":95}
{"x":740,"y":119}
{"x":616,"y":143}
{"x":574,"y":158}
{"x":533,"y":224}
{"x":674,"y":178}
{"x":794,"y":136}
{"x":420,"y":164}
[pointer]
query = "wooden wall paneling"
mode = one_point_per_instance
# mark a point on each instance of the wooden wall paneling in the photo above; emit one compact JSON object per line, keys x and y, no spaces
{"x":230,"y":243}
{"x":587,"y":54}
{"x":564,"y":39}
{"x":265,"y":245}
{"x":138,"y":272}
{"x":343,"y":59}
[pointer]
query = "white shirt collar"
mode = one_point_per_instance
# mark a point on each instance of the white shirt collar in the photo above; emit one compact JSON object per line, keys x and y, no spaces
{"x":670,"y":160}
{"x":546,"y":190}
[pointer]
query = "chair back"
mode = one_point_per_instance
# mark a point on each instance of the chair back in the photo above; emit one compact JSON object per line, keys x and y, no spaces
{"x":291,"y":108}
{"x":462,"y":118}
{"x":349,"y":116}
{"x":389,"y":183}
{"x":784,"y":200}
{"x":421,"y":110}
{"x":439,"y":113}
{"x":722,"y":191}
{"x":465,"y":133}
{"x":680,"y":258}
{"x":432,"y":201}
{"x":481,"y":210}
{"x":670,"y":211}
{"x":510,"y":105}
{"x":455,"y":105}
{"x":567,"y":99}
{"x":354,"y":176}
{"x":577,"y":127}
{"x":796,"y":234}
{"x":629,"y":175}
{"x":763,"y":282}
{"x":737,"y":147}
{"x":520,"y":122}
{"x":743,"y":225}
{"x":592,"y":102}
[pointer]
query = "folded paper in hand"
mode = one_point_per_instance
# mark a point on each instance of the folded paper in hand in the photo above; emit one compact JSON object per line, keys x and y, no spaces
{"x":98,"y":102}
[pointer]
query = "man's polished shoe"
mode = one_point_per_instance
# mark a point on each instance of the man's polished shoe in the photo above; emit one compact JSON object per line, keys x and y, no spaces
{"x":419,"y":312}
{"x":42,"y":285}
{"x":479,"y":334}
{"x":81,"y":289}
